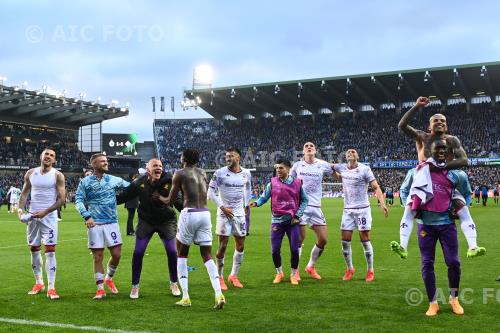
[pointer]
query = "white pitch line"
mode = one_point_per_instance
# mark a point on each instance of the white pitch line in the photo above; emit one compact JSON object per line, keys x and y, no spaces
{"x":70,"y":326}
{"x":66,"y":240}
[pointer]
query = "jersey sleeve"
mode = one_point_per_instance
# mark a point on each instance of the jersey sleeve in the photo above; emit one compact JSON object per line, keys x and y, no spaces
{"x":80,"y":198}
{"x":327,"y":168}
{"x":369,"y":176}
{"x":293,"y":170}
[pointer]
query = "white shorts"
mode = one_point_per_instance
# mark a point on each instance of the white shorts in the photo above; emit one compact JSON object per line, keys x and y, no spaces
{"x":360,"y":219}
{"x":194,"y":226}
{"x":42,"y":231}
{"x":227,"y":227}
{"x":313,"y":216}
{"x":104,"y":235}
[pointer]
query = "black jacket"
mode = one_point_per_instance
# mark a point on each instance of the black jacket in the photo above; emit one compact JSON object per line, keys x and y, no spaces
{"x":149,"y":210}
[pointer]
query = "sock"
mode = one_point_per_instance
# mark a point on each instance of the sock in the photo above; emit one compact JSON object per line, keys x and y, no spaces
{"x":214,"y":276}
{"x":220,"y":266}
{"x":135,"y":286}
{"x":406,"y":227}
{"x":99,"y":280}
{"x":367,"y":246}
{"x":111,"y":271}
{"x":36,"y":266}
{"x":468,"y":227}
{"x":346,"y":251}
{"x":315,"y":254}
{"x":300,"y":251}
{"x":182,"y":272}
{"x":237,"y":260}
{"x":279,"y":270}
{"x":50,"y":268}
{"x":293,"y":271}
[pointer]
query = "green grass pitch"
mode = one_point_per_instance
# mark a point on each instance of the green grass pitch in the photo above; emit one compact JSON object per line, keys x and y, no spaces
{"x":314,"y":306}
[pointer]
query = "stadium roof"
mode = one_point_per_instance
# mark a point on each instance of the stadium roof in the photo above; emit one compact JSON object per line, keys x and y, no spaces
{"x":38,"y":108}
{"x":373,"y":89}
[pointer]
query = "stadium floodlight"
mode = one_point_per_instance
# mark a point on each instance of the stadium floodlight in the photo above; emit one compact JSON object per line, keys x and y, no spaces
{"x":276,"y":89}
{"x":114,"y":102}
{"x":202,"y":77}
{"x":373,"y":79}
{"x":233,"y":93}
{"x":212,"y":95}
{"x":299,"y":89}
{"x":25,"y":84}
{"x":347,"y":85}
{"x":45,"y":88}
{"x":427,"y":76}
{"x":2,"y":80}
{"x":323,"y":85}
{"x":255,"y":93}
{"x":480,"y":93}
{"x":483,"y":71}
{"x":127,"y":105}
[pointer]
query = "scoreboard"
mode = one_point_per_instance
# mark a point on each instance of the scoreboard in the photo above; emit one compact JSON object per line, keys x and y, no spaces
{"x":114,"y":144}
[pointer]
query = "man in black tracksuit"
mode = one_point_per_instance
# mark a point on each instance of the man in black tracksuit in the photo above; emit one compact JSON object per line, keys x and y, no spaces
{"x":154,"y":216}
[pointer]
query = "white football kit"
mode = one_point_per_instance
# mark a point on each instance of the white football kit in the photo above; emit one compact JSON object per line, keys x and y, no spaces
{"x":357,"y":211}
{"x":312,"y":175}
{"x":234,"y":192}
{"x":43,"y":195}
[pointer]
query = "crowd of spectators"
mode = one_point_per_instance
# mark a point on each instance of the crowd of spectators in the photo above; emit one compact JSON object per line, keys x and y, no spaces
{"x":376,"y":138}
{"x":21,"y":145}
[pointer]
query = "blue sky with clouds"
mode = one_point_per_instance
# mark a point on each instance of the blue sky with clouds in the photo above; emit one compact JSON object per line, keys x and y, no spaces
{"x":132,"y":50}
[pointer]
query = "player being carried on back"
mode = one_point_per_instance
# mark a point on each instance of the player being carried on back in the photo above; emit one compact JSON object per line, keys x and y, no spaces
{"x":456,"y":158}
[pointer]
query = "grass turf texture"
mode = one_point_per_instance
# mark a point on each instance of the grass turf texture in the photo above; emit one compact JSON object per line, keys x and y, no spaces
{"x":313,"y":306}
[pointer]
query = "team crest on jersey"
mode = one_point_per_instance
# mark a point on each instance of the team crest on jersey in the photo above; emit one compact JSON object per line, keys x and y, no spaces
{"x":423,"y":233}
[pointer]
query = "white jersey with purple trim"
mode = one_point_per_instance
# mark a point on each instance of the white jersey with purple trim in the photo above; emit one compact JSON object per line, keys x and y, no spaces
{"x":311,"y":175}
{"x":355,"y":185}
{"x":234,"y":189}
{"x":44,"y":193}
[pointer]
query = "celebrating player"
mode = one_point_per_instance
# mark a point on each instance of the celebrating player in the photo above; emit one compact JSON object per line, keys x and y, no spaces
{"x":357,"y":212}
{"x":194,"y":223}
{"x":233,"y":184}
{"x":288,"y":202}
{"x":435,"y":224}
{"x":154,"y":216}
{"x":456,"y":158}
{"x":98,"y":191}
{"x":48,"y":193}
{"x":311,"y":171}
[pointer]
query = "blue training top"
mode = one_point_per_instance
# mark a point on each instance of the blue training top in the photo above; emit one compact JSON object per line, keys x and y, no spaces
{"x":100,"y":197}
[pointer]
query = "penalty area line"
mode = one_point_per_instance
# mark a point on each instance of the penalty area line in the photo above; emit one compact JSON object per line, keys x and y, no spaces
{"x":70,"y":326}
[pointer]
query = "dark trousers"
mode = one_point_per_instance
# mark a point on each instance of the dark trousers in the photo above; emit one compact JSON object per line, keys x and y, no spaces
{"x":130,"y":221}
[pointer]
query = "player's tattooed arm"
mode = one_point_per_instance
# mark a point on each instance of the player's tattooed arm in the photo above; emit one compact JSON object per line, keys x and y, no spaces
{"x":25,"y":192}
{"x":403,"y":124}
{"x":459,"y":155}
